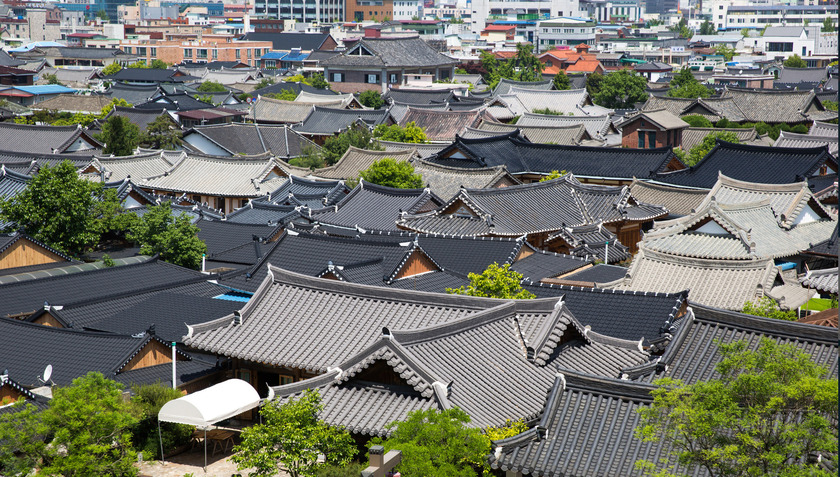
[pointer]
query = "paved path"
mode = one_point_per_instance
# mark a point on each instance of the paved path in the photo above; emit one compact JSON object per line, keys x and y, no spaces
{"x":191,"y":462}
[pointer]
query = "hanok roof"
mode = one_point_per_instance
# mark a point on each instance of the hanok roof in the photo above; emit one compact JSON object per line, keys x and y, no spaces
{"x":423,"y":150}
{"x":659,"y":117}
{"x":389,"y":52}
{"x":565,"y":135}
{"x":801,"y":76}
{"x":442,"y":126}
{"x":174,"y":102}
{"x":137,"y":167}
{"x":326,"y":121}
{"x":773,"y":106}
{"x":824,"y":281}
{"x":132,"y":93}
{"x":713,"y":109}
{"x":12,"y":183}
{"x":530,"y":208}
{"x":262,"y":212}
{"x":447,"y":181}
{"x":269,"y":110}
{"x":419,"y":97}
{"x":373,"y":207}
{"x":399,"y":110}
{"x":355,"y":160}
{"x":678,"y":200}
{"x":139,"y":117}
{"x":504,"y":86}
{"x":212,"y":113}
{"x":75,"y":103}
{"x":240,"y":176}
{"x":600,"y":273}
{"x":694,"y":136}
{"x":823,"y":129}
{"x":312,"y":193}
{"x":722,"y":283}
{"x":761,"y":164}
{"x":596,"y":126}
{"x":148,"y":75}
{"x":590,"y":241}
{"x":523,"y":157}
{"x":241,"y":138}
{"x":574,"y":101}
{"x":793,"y":140}
{"x":9,"y":239}
{"x":338,"y":101}
{"x":221,"y":235}
{"x":297,"y":87}
{"x":44,"y":139}
{"x":150,"y":274}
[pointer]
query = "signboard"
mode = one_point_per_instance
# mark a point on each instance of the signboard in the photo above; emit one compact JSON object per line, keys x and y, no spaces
{"x":677,"y":49}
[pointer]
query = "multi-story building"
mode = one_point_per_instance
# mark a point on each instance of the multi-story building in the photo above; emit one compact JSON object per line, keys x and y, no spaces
{"x":448,"y":12}
{"x":612,"y":11}
{"x":794,"y":40}
{"x":145,"y":11}
{"x":483,"y":10}
{"x":408,"y":9}
{"x":303,"y":11}
{"x":660,"y":6}
{"x":368,"y":10}
{"x":565,"y":31}
{"x":35,"y":26}
{"x":727,"y":16}
{"x":198,"y":51}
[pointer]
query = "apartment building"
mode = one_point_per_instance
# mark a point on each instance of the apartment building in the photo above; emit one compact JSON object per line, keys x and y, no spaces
{"x":484,"y":10}
{"x":727,"y":16}
{"x":198,"y":51}
{"x":302,"y":11}
{"x":565,"y":31}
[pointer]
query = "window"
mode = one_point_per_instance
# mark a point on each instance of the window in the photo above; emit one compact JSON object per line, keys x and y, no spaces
{"x":641,"y":139}
{"x":154,"y":52}
{"x":237,"y":54}
{"x":393,"y":78}
{"x":270,"y":63}
{"x":201,"y":53}
{"x":372,"y":79}
{"x":249,"y":53}
{"x":141,"y":51}
{"x":337,"y":77}
{"x":651,"y":139}
{"x":127,"y":49}
{"x":188,"y":53}
{"x":215,"y":54}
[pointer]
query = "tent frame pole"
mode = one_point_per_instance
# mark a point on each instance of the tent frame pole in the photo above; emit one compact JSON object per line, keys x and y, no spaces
{"x":160,"y":438}
{"x":205,"y":449}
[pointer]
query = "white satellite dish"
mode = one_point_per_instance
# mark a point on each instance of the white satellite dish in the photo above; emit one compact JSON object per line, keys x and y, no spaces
{"x":47,"y":373}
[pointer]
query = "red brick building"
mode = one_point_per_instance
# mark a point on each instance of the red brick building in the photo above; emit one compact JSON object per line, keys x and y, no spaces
{"x":652,"y":129}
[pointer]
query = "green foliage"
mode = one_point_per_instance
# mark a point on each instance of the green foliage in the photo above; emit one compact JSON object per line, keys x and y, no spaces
{"x":681,"y":154}
{"x":697,"y":121}
{"x":264,"y":83}
{"x":161,"y":134}
{"x":119,"y":135}
{"x":310,"y":157}
{"x":561,"y":81}
{"x":204,"y":98}
{"x":555,"y":174}
{"x":211,"y":87}
{"x":158,"y":65}
{"x":828,"y":25}
{"x":84,"y":431}
{"x":317,"y":81}
{"x":436,"y":443}
{"x":147,"y":400}
{"x":768,"y":308}
{"x":371,"y":99}
{"x":495,"y":282}
{"x":525,"y":66}
{"x":653,"y":23}
{"x":460,"y":71}
{"x":593,"y":83}
{"x":745,"y":32}
{"x":699,"y":151}
{"x":102,"y":15}
{"x":353,"y":469}
{"x":682,"y":29}
{"x":685,"y":85}
{"x":529,"y":66}
{"x":621,"y":89}
{"x":547,"y":111}
{"x":290,"y":439}
{"x":356,"y":136}
{"x":285,"y":95}
{"x":510,"y":429}
{"x":159,"y":232}
{"x":767,"y":410}
{"x":726,"y":52}
{"x":707,"y":28}
{"x":830,"y":105}
{"x":107,"y":261}
{"x":52,"y":79}
{"x":410,"y":133}
{"x":795,"y":61}
{"x":389,"y":172}
{"x":110,"y":106}
{"x":111,"y":69}
{"x":138,"y":65}
{"x":61,"y":209}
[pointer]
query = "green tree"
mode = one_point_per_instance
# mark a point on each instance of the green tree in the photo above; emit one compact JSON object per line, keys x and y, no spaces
{"x":285,"y":95}
{"x":22,"y":439}
{"x":317,"y":81}
{"x":707,"y":28}
{"x":114,"y":102}
{"x":726,"y":52}
{"x":489,"y":63}
{"x":264,"y":83}
{"x":102,"y":15}
{"x":389,"y":172}
{"x":119,"y":135}
{"x":828,"y":25}
{"x":161,"y":134}
{"x":495,"y":282}
{"x":768,"y":308}
{"x":356,"y":136}
{"x":211,"y":87}
{"x":593,"y":83}
{"x":766,"y":413}
{"x":205,"y":98}
{"x":795,"y":61}
{"x":621,"y":89}
{"x":159,"y":65}
{"x":561,"y":81}
{"x":529,"y":67}
{"x":436,"y":443}
{"x":175,"y":239}
{"x":138,"y":65}
{"x":371,"y":99}
{"x":290,"y":439}
{"x":147,"y":401}
{"x":699,"y":151}
{"x":830,"y":105}
{"x":555,"y":174}
{"x":745,"y":32}
{"x":497,"y":433}
{"x":310,"y":157}
{"x":52,"y":79}
{"x":685,"y":85}
{"x":410,"y":133}
{"x":111,"y":69}
{"x":697,"y":121}
{"x":59,"y":208}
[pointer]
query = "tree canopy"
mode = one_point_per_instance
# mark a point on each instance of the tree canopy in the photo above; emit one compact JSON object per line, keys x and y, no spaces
{"x":161,"y":134}
{"x":621,"y":90}
{"x":561,"y":81}
{"x":795,"y":61}
{"x":495,"y":282}
{"x":175,"y":239}
{"x":697,"y":121}
{"x":371,"y":99}
{"x":290,"y":439}
{"x":211,"y":87}
{"x":61,"y":209}
{"x":525,"y":66}
{"x":389,"y":172}
{"x":285,"y":95}
{"x":768,"y":308}
{"x":356,"y":136}
{"x":410,"y":133}
{"x":120,"y":136}
{"x":685,"y":85}
{"x":771,"y":411}
{"x":699,"y":151}
{"x":707,"y":28}
{"x":436,"y":443}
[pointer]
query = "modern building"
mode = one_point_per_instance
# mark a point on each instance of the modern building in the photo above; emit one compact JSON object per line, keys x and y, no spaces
{"x":35,"y":26}
{"x":794,"y":40}
{"x":199,"y":51}
{"x":727,"y":16}
{"x":303,"y":11}
{"x":485,"y":10}
{"x":564,"y":31}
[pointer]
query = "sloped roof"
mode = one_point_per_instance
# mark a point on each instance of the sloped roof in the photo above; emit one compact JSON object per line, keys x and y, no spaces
{"x":823,"y":129}
{"x":596,"y":126}
{"x":423,"y":150}
{"x":221,"y":235}
{"x":693,"y":136}
{"x":147,"y":75}
{"x":325,"y":193}
{"x":355,"y":160}
{"x":441,"y":126}
{"x":278,"y":111}
{"x":9,"y":239}
{"x":824,"y":281}
{"x":75,"y":103}
{"x":132,"y":93}
{"x":327,"y":121}
{"x":136,"y":167}
{"x":338,"y":101}
{"x":390,"y":52}
{"x":241,"y":138}
{"x":678,"y":200}
{"x":774,"y":106}
{"x":762,"y":164}
{"x":791,"y":140}
{"x":174,"y":102}
{"x":374,"y":207}
{"x":419,"y":97}
{"x":12,"y":183}
{"x":530,"y":208}
{"x":564,"y":135}
{"x":42,"y":139}
{"x":504,"y":86}
{"x":711,"y":108}
{"x":660,"y":117}
{"x":721,"y":283}
{"x":139,"y":117}
{"x":447,"y":181}
{"x":590,"y":241}
{"x":262,"y":212}
{"x":240,"y":176}
{"x":572,"y":101}
{"x":399,"y":110}
{"x":795,"y":76}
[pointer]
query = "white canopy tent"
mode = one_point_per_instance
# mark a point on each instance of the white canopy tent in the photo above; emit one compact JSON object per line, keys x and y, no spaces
{"x":209,"y":406}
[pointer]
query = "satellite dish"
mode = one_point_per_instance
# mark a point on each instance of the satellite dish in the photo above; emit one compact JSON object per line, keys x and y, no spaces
{"x":47,"y":373}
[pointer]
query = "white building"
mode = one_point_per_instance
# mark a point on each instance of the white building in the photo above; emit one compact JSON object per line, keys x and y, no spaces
{"x":789,"y":40}
{"x":727,"y":16}
{"x":407,"y":9}
{"x":484,"y":9}
{"x":564,"y":31}
{"x":606,"y":11}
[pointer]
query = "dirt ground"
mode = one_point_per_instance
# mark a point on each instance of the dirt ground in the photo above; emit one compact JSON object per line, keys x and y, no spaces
{"x":191,"y":462}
